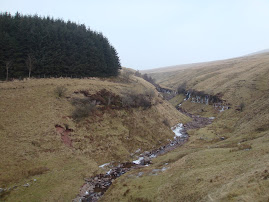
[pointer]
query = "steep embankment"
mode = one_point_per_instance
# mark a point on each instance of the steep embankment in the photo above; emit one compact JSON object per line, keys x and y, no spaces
{"x":47,"y":147}
{"x":224,"y":161}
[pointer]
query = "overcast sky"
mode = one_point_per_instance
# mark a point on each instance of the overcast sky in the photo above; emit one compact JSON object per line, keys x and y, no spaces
{"x":154,"y":33}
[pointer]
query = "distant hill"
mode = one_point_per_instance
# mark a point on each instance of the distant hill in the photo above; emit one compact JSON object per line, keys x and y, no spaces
{"x":191,"y":65}
{"x":259,"y":52}
{"x":172,"y":76}
{"x":35,"y":46}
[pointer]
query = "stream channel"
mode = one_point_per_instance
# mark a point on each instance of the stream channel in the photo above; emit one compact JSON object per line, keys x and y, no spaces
{"x":95,"y":186}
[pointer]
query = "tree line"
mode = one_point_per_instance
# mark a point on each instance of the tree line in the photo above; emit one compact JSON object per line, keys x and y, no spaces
{"x":34,"y":46}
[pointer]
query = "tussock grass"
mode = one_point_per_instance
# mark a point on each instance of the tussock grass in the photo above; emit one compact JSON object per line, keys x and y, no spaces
{"x":60,"y":91}
{"x":37,"y":171}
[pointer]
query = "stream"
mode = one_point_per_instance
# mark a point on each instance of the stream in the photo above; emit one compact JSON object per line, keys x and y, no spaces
{"x":95,"y":186}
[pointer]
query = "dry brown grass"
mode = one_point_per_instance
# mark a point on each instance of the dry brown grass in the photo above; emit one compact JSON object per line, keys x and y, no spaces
{"x":37,"y":171}
{"x":208,"y":168}
{"x":31,"y":148}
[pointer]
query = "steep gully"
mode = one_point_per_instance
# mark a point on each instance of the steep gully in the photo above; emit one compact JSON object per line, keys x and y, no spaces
{"x":95,"y":186}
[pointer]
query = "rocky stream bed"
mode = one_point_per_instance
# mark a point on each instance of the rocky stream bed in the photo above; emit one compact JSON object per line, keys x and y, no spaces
{"x":95,"y":186}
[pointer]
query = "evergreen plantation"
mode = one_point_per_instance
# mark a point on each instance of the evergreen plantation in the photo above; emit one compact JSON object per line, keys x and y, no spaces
{"x":35,"y":46}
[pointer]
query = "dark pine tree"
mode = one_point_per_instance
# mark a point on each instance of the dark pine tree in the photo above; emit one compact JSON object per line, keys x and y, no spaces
{"x":35,"y":46}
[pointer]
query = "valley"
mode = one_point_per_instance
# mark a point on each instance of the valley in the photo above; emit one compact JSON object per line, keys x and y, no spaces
{"x":118,"y":137}
{"x":96,"y":186}
{"x":224,"y":161}
{"x":57,"y":145}
{"x":79,"y":122}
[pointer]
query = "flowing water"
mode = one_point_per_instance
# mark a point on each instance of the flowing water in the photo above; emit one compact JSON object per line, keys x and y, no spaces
{"x":95,"y":186}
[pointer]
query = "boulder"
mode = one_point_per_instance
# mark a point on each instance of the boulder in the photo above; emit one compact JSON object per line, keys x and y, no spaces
{"x":146,"y":160}
{"x":26,"y":185}
{"x":146,"y":153}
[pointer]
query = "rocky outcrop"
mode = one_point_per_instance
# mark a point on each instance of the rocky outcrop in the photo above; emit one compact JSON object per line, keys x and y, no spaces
{"x":167,"y":94}
{"x":207,"y":99}
{"x":196,"y":97}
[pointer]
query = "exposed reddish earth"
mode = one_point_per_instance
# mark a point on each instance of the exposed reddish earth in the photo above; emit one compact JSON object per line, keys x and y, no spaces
{"x":64,"y":135}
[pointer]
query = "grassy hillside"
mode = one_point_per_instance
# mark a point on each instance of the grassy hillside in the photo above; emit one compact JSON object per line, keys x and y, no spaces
{"x":33,"y":152}
{"x":241,"y":80}
{"x":225,"y":161}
